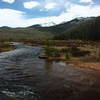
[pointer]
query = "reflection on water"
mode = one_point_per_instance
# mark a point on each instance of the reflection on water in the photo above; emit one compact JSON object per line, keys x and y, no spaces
{"x":23,"y":76}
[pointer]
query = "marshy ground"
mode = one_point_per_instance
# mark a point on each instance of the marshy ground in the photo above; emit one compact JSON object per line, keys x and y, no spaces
{"x":24,"y":76}
{"x":81,"y":53}
{"x":5,"y":46}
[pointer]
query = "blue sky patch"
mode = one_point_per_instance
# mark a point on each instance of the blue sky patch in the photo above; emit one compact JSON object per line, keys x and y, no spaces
{"x":28,"y":12}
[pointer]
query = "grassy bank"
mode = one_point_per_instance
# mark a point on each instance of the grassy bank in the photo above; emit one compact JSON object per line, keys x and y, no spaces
{"x":5,"y":46}
{"x":79,"y":53}
{"x":76,"y":52}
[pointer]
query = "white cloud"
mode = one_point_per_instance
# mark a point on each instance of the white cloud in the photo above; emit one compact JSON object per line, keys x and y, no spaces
{"x":31,"y":4}
{"x":9,"y":17}
{"x":15,"y":18}
{"x":72,"y":12}
{"x":86,"y":1}
{"x":9,"y":1}
{"x":84,"y":11}
{"x":51,"y":5}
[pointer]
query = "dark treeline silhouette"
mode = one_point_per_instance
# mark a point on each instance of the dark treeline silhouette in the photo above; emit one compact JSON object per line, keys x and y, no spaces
{"x":87,"y":30}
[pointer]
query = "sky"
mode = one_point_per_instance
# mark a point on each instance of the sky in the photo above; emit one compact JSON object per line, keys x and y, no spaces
{"x":23,"y":13}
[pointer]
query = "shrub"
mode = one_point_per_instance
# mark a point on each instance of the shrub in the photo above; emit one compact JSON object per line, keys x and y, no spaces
{"x":68,"y":56}
{"x":49,"y":51}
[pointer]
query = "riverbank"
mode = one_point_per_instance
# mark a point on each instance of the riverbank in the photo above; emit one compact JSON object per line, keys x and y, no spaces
{"x":78,"y":53}
{"x":5,"y":46}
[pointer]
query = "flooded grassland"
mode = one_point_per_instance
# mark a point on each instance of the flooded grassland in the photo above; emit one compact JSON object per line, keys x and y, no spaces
{"x":24,"y":76}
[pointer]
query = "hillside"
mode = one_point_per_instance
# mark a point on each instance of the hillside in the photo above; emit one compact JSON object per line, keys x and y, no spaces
{"x":60,"y":28}
{"x":87,"y":30}
{"x":78,"y":28}
{"x":22,"y":34}
{"x":36,"y":31}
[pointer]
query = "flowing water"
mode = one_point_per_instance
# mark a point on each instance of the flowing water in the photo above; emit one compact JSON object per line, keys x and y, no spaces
{"x":23,"y":76}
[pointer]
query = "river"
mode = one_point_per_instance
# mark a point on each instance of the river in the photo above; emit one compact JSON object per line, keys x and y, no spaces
{"x":23,"y":76}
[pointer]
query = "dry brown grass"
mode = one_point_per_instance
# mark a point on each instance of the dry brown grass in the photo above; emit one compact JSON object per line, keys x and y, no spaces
{"x":89,"y":60}
{"x":5,"y":46}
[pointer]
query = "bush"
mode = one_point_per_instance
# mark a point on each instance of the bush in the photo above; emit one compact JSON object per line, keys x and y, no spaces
{"x":68,"y":55}
{"x":49,"y":51}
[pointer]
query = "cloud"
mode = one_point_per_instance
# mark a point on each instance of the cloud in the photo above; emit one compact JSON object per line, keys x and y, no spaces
{"x":31,"y":4}
{"x":48,"y":5}
{"x":14,"y":18}
{"x":86,"y":1}
{"x":84,"y":11}
{"x":51,"y":5}
{"x":73,"y":11}
{"x":9,"y":17}
{"x":9,"y":1}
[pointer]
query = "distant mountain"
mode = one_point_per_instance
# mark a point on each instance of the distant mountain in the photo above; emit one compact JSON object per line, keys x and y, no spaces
{"x":88,"y":29}
{"x":48,"y":24}
{"x":5,"y":27}
{"x":60,"y":28}
{"x":35,"y":26}
{"x":78,"y":28}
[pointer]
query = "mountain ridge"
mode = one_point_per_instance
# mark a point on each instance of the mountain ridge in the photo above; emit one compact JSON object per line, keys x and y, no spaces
{"x":65,"y":29}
